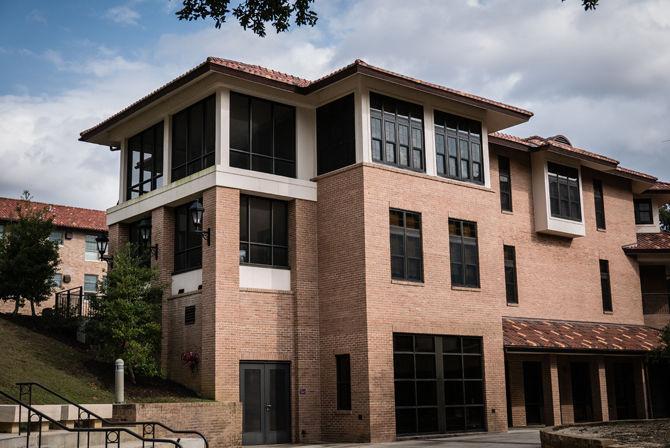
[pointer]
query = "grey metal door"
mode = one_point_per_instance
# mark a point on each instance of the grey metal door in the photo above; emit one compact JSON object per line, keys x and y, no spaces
{"x":265,"y":396}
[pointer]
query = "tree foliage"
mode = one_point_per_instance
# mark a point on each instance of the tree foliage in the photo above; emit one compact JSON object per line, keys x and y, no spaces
{"x":252,"y":14}
{"x":589,"y":5}
{"x":664,"y":213}
{"x":126,"y":315}
{"x":28,"y":259}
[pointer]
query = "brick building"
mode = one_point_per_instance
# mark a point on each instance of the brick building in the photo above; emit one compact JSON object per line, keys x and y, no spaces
{"x":75,"y":230}
{"x":376,"y":259}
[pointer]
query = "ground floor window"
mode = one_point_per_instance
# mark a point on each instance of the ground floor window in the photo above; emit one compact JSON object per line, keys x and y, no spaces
{"x":439,"y":383}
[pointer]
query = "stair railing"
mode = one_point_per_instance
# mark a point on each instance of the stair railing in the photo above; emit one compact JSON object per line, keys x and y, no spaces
{"x":148,"y":427}
{"x":112,"y":435}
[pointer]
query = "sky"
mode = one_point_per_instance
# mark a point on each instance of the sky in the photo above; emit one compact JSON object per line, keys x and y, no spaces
{"x":600,"y":77}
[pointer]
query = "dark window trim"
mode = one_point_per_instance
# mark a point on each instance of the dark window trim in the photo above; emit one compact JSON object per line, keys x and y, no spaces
{"x":606,"y":286}
{"x":505,"y":180}
{"x":343,"y":380}
{"x":202,"y":158}
{"x":405,"y":257}
{"x":561,"y":175}
{"x":271,"y":245}
{"x":153,"y":178}
{"x":189,"y":229}
{"x":638,"y":215}
{"x":463,"y":126}
{"x":599,"y":203}
{"x":511,"y":287}
{"x":189,"y":315}
{"x":462,"y":244}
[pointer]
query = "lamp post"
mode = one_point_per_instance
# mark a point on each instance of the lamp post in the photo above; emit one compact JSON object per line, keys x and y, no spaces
{"x":102,"y":241}
{"x":145,"y":237}
{"x":197,"y":211}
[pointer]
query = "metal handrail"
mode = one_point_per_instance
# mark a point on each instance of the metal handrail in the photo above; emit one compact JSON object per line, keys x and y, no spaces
{"x":112,"y":435}
{"x":148,"y":427}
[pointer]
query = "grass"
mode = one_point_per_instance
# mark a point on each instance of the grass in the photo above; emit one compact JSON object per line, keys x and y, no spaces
{"x":70,"y":370}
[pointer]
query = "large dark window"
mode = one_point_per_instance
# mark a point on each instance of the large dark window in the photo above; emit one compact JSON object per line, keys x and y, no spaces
{"x":564,"y":192}
{"x":145,"y":162}
{"x":188,"y":244}
{"x":397,"y":132}
{"x":643,"y":211}
{"x":406,"y":251}
{"x":458,"y":146}
{"x":335,"y":140}
{"x":439,"y":384}
{"x":505,"y":176}
{"x":605,"y":285}
{"x":343,"y":382}
{"x":262,"y":135}
{"x":135,"y":238}
{"x":193,"y":139}
{"x":463,"y":253}
{"x":511,"y":288}
{"x":599,"y":200}
{"x":263,"y":231}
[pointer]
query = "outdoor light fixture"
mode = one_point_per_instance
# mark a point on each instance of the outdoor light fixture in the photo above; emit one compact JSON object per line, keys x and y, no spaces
{"x":102,"y":241}
{"x":197,"y":210}
{"x":145,"y":237}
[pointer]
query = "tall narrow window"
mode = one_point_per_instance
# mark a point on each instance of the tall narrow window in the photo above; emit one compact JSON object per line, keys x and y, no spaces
{"x":458,"y":145}
{"x":188,"y":244}
{"x":397,"y":132}
{"x":189,"y":315}
{"x":464,"y":253}
{"x":343,"y":382}
{"x":511,"y":288}
{"x":144,"y":166}
{"x":505,"y":175}
{"x":263,"y":231}
{"x":58,"y":280}
{"x":91,"y":248}
{"x":193,"y":138}
{"x":90,"y":284}
{"x":262,"y":135}
{"x":57,"y":236}
{"x":599,"y":200}
{"x":406,"y":250}
{"x":335,"y":135}
{"x":643,"y":211}
{"x":605,"y":285}
{"x":564,"y":192}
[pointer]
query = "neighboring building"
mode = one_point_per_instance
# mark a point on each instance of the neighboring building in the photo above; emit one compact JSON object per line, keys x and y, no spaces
{"x":376,"y":260}
{"x":75,"y":230}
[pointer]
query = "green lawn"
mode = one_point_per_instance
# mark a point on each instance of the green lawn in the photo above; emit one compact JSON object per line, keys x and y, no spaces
{"x":26,"y":355}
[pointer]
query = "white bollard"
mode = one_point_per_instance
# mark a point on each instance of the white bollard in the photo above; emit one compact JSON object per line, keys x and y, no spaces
{"x":118,"y":382}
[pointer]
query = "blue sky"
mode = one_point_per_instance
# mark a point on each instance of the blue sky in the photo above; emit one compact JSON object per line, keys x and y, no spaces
{"x":598,"y":77}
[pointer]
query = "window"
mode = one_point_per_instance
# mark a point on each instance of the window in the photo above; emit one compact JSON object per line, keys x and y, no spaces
{"x":397,"y":132}
{"x":406,"y":251}
{"x":90,"y":284}
{"x":193,"y":139}
{"x":91,"y":250}
{"x":564,"y":192}
{"x":58,"y":280}
{"x":599,"y":200}
{"x":188,"y":244}
{"x":335,"y":135}
{"x":189,"y":315}
{"x":2,"y":230}
{"x":463,"y":253}
{"x":511,"y":289}
{"x":262,"y":135}
{"x":505,"y":176}
{"x":458,"y":145}
{"x":141,"y":248}
{"x":643,"y":211}
{"x":439,"y":383}
{"x":145,"y":161}
{"x":605,"y":285}
{"x":263,"y":231}
{"x":343,"y":382}
{"x":57,"y":236}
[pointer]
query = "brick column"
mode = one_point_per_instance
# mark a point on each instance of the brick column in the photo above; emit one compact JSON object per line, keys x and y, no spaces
{"x":220,"y":295}
{"x":555,"y":398}
{"x":118,"y":236}
{"x":565,"y":382}
{"x":517,"y":396}
{"x":304,"y":283}
{"x":641,"y":397}
{"x":602,"y":411}
{"x":162,"y":233}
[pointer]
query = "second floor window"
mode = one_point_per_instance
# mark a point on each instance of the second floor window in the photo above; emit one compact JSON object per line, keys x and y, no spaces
{"x":145,"y":161}
{"x":263,"y":231}
{"x":564,"y":193}
{"x":262,"y":135}
{"x":463,"y":252}
{"x":91,"y":248}
{"x":511,"y":289}
{"x":188,"y":244}
{"x":57,"y":236}
{"x":643,"y":211}
{"x":406,"y":251}
{"x":193,"y":139}
{"x":90,"y":284}
{"x":343,"y":363}
{"x":599,"y":200}
{"x":505,"y":176}
{"x":458,"y":146}
{"x":605,"y":285}
{"x":58,"y":280}
{"x":397,"y":132}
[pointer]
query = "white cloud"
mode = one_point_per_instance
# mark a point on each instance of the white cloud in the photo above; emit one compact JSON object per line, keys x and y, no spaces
{"x":123,"y":14}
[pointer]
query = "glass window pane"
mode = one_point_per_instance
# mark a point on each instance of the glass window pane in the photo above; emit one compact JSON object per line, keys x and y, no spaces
{"x":239,"y":160}
{"x":195,"y":132}
{"x":179,"y":135}
{"x":452,"y":367}
{"x":376,"y":149}
{"x":283,"y":168}
{"x":403,"y":134}
{"x":376,"y":128}
{"x":451,"y":344}
{"x":453,"y":392}
{"x":279,"y":256}
{"x":455,"y":418}
{"x":405,"y":393}
{"x":426,"y":393}
{"x":390,"y":152}
{"x":239,"y":122}
{"x":472,"y":345}
{"x":397,"y":243}
{"x":260,"y":254}
{"x":279,"y":223}
{"x":260,"y":216}
{"x":424,"y":343}
{"x":403,"y":343}
{"x":427,"y":418}
{"x":405,"y":421}
{"x":474,"y":417}
{"x":403,"y":366}
{"x":261,"y":163}
{"x":425,"y":366}
{"x":284,"y":130}
{"x":261,"y":127}
{"x":472,"y":367}
{"x":474,"y":392}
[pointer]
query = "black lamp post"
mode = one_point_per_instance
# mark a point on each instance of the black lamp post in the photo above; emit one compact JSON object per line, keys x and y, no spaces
{"x":197,"y":210}
{"x":102,"y":241}
{"x":145,"y":237}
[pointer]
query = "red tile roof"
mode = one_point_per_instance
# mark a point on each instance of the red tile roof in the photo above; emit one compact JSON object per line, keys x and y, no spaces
{"x":63,"y":216}
{"x":659,"y":187}
{"x":649,"y":243}
{"x":538,"y":334}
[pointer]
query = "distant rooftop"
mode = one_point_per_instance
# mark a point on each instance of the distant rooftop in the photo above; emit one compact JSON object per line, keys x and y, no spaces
{"x":63,"y":216}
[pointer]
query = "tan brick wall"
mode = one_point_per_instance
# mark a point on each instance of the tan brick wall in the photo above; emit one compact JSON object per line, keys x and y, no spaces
{"x":183,"y":338}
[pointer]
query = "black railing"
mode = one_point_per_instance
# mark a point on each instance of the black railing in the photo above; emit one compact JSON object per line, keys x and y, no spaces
{"x":73,"y":303}
{"x":148,"y":427}
{"x":655,"y":303}
{"x":112,"y":435}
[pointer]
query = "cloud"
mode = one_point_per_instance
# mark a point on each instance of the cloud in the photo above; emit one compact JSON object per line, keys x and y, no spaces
{"x":123,"y":15}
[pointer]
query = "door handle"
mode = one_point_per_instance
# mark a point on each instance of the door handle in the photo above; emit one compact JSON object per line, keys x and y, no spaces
{"x":268,"y":406}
